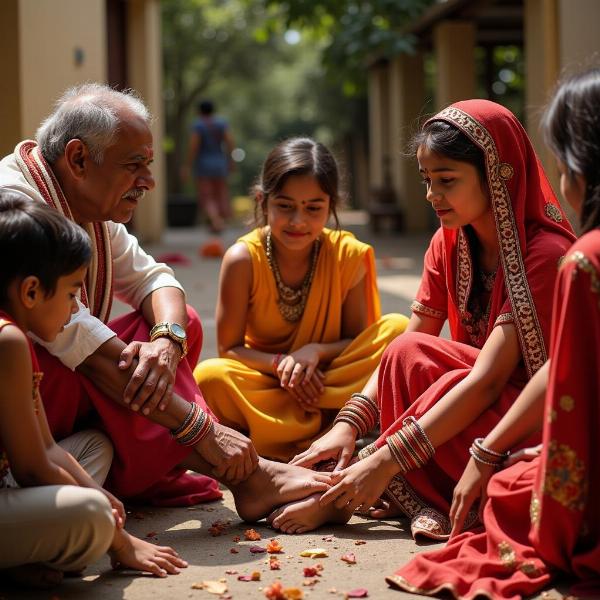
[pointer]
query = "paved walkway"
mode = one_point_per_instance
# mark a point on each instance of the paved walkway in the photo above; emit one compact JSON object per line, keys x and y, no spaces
{"x":387,"y":543}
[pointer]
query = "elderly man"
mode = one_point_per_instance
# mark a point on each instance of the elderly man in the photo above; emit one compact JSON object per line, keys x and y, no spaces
{"x":91,"y":161}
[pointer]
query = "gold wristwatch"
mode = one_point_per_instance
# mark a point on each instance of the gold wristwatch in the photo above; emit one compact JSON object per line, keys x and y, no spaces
{"x":171,"y":330}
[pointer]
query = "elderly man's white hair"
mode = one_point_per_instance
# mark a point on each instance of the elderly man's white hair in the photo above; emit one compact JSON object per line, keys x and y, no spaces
{"x":89,"y":112}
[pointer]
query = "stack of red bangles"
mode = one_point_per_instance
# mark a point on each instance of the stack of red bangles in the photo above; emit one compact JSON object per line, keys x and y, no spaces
{"x":276,"y":360}
{"x":361,"y":412}
{"x":486,"y":456}
{"x":195,"y":427}
{"x":410,"y":445}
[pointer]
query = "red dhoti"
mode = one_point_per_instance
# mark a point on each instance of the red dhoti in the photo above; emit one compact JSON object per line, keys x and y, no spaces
{"x":145,"y":466}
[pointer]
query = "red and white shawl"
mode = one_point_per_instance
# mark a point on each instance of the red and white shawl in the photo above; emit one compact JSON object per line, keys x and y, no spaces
{"x":97,"y":291}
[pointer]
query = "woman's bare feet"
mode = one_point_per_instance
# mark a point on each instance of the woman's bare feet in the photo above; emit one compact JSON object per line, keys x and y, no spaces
{"x":35,"y":576}
{"x":130,"y":552}
{"x":305,"y":515}
{"x":273,"y":484}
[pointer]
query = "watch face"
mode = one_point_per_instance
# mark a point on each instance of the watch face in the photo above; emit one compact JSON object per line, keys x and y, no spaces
{"x":178,"y":330}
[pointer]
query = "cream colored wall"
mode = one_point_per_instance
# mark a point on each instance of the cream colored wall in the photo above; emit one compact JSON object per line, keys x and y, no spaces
{"x":50,"y":32}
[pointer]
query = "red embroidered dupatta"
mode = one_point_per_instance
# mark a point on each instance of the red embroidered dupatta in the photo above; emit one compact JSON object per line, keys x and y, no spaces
{"x":97,"y":291}
{"x":524,"y":207}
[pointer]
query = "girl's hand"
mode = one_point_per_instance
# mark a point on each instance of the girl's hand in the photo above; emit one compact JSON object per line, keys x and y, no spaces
{"x":117,"y":508}
{"x":130,"y":552}
{"x":299,"y":366}
{"x":299,"y":374}
{"x":362,"y":483}
{"x":337,"y":444}
{"x":523,"y":454}
{"x":471,"y":485}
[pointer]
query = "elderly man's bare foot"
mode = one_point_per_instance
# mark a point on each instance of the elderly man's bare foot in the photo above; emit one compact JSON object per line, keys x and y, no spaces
{"x":274,"y":484}
{"x":305,"y":515}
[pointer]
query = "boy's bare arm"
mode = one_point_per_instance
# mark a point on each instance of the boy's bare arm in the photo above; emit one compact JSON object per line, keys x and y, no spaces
{"x":19,"y":426}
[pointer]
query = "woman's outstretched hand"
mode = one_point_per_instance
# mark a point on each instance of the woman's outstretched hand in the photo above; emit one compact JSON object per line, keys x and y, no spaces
{"x":230,"y":452}
{"x":471,"y":485}
{"x":337,"y":444}
{"x":362,"y":483}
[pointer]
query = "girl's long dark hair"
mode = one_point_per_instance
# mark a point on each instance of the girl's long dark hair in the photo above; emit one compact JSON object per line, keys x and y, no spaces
{"x":571,"y":125}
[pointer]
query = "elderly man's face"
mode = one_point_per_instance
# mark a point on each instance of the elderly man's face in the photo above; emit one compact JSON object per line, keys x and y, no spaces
{"x":112,"y":189}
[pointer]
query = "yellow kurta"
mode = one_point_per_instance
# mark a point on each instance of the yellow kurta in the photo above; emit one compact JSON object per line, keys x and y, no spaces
{"x":251,"y":401}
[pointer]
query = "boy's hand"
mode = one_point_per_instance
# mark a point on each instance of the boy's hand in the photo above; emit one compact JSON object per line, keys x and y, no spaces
{"x":117,"y":508}
{"x":130,"y":552}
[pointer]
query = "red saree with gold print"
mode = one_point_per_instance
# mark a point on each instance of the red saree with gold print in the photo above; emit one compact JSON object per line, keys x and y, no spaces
{"x":542,"y":516}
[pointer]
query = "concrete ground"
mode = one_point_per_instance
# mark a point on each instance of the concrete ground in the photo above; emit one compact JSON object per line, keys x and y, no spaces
{"x":220,"y":559}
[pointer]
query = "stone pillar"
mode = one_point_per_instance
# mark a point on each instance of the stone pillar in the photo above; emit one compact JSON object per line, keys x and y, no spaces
{"x":407,"y":100}
{"x":144,"y":59}
{"x":454,"y":48}
{"x":378,"y":124}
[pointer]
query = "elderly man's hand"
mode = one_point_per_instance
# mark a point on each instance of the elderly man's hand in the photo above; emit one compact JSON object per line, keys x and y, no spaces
{"x":231,"y":454}
{"x":151,"y":384}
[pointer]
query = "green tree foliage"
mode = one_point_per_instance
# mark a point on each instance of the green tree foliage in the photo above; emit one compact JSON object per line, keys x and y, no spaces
{"x":267,"y":88}
{"x":354,"y":32}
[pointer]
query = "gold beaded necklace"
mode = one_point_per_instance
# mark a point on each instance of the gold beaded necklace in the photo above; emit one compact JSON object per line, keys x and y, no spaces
{"x":291,"y":302}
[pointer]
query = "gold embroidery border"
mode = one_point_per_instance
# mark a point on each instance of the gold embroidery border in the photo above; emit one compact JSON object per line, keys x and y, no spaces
{"x":399,"y":582}
{"x":504,"y":318}
{"x":526,"y":321}
{"x":464,"y":271}
{"x":417,"y":307}
{"x":582,"y":263}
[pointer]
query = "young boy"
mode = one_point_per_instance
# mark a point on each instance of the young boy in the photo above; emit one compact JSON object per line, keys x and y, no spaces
{"x":54,"y":515}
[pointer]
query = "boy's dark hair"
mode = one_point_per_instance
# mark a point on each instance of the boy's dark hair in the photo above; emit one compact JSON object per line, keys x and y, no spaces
{"x":206,"y":107}
{"x":571,"y":126}
{"x":446,"y":140}
{"x":297,"y":156}
{"x":37,"y":240}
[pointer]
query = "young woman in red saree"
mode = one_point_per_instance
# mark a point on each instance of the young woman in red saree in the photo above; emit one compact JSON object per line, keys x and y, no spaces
{"x":541,"y":516}
{"x":489,"y":271}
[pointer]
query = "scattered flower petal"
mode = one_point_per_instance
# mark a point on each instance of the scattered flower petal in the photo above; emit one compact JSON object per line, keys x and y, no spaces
{"x":328,"y":538}
{"x":314,"y":553}
{"x":231,"y":572}
{"x":257,"y":549}
{"x":349,"y":558}
{"x":359,"y":542}
{"x":274,"y":563}
{"x":212,"y":587}
{"x":252,"y":535}
{"x":236,"y":538}
{"x":150,"y":534}
{"x":254,"y":576}
{"x":234,"y":551}
{"x":310,"y":582}
{"x":358,"y":593}
{"x":274,"y":547}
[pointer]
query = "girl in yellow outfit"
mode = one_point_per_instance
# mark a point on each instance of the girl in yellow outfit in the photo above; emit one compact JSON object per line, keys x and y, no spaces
{"x":298,"y":316}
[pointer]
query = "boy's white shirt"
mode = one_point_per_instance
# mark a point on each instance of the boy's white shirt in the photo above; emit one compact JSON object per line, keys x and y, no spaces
{"x":135,"y":276}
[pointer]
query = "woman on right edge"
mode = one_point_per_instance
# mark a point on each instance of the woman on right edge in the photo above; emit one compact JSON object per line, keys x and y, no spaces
{"x":542,"y":516}
{"x":490,"y":271}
